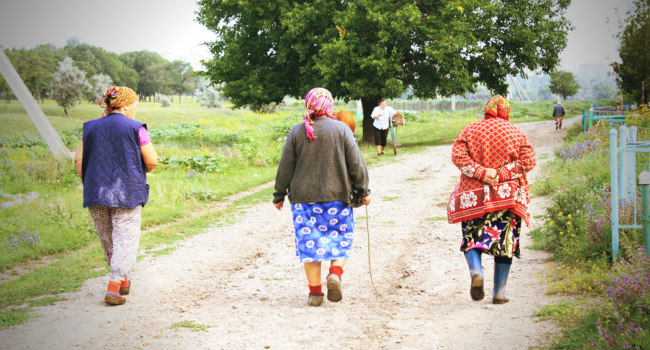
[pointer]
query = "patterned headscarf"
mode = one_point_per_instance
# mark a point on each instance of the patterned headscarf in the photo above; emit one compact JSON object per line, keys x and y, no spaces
{"x":120,"y":96}
{"x":497,"y":107}
{"x":318,"y":102}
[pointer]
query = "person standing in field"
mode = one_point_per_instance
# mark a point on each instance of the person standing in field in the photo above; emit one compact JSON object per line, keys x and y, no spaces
{"x":112,"y":159}
{"x":558,"y":114}
{"x":492,"y":197}
{"x":321,"y":166}
{"x":381,"y":115}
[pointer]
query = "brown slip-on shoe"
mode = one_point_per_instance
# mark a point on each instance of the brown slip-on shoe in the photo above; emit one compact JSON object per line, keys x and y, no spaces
{"x":334,"y":292}
{"x":315,"y":299}
{"x":112,"y":299}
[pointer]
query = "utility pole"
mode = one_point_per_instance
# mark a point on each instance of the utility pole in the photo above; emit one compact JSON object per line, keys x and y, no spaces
{"x":34,"y":112}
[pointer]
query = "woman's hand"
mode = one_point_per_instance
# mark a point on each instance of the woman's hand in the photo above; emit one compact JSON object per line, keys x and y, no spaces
{"x":279,"y":205}
{"x":491,"y":177}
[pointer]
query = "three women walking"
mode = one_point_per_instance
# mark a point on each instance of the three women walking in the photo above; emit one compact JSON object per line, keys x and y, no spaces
{"x":321,"y":166}
{"x":112,"y":159}
{"x":492,"y":197}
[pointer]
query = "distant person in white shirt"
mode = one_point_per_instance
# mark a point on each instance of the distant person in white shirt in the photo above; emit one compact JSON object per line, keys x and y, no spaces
{"x":381,"y":115}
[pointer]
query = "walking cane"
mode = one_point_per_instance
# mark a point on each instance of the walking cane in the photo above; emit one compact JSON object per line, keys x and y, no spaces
{"x":369,"y":264}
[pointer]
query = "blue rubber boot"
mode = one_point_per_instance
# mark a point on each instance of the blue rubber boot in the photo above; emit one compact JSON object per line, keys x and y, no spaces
{"x":501,"y":272}
{"x":473,"y":258}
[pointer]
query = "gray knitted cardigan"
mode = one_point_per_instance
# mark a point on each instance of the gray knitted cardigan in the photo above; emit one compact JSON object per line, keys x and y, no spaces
{"x":324,"y":170}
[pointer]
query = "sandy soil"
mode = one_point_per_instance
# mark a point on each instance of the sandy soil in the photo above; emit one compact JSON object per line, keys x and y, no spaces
{"x":244,"y":281}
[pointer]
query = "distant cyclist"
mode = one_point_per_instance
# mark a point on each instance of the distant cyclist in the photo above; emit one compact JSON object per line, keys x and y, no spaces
{"x":558,"y":113}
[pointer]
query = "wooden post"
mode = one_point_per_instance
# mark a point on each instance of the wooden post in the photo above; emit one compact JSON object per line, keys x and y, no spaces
{"x":34,"y":112}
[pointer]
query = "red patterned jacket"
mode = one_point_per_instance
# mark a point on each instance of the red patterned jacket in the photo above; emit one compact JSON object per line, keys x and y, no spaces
{"x":498,"y":144}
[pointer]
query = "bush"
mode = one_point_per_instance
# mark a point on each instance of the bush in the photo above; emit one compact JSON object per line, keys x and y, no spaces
{"x":163,"y":100}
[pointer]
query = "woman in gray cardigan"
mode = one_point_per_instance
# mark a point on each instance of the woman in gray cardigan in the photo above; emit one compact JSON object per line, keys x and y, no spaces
{"x":321,"y":165}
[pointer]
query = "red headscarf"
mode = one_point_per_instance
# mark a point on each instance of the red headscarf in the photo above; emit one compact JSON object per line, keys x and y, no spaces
{"x":497,"y":107}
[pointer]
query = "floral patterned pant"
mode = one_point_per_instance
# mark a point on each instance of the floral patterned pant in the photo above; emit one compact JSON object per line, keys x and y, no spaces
{"x":118,"y":230}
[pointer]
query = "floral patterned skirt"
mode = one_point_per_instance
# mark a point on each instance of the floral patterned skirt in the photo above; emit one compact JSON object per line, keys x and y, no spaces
{"x":496,"y":233}
{"x":323,"y":230}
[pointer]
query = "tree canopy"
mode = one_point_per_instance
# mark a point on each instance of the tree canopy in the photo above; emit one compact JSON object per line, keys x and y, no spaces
{"x":367,"y":49}
{"x":146,"y":72}
{"x":634,"y":68}
{"x":563,"y":83}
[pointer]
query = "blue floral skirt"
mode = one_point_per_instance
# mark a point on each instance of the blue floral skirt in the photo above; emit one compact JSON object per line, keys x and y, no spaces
{"x":323,"y":230}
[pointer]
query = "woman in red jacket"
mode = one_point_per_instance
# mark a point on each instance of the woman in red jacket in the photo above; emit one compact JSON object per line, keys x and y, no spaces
{"x":492,"y":196}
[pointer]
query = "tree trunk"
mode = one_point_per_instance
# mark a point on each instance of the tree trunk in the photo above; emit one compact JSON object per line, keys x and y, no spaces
{"x":368,"y":104}
{"x":65,"y":110}
{"x":179,"y":98}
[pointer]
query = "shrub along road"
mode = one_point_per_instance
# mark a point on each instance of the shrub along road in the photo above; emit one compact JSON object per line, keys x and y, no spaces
{"x":240,"y":286}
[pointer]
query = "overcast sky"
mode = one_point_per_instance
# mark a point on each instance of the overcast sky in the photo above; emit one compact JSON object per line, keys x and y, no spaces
{"x":169,"y":27}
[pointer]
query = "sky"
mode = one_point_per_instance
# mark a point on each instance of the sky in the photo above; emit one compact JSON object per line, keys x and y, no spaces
{"x":169,"y":27}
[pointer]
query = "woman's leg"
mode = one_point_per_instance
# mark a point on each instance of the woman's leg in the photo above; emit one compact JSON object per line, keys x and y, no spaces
{"x":501,"y":272}
{"x":126,"y":240}
{"x":312,"y":270}
{"x":338,"y":262}
{"x":377,"y":134}
{"x":104,"y":227}
{"x":384,"y":136}
{"x":334,"y":291}
{"x":473,"y":257}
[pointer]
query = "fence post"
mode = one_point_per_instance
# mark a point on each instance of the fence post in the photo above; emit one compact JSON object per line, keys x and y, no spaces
{"x":644,"y":181}
{"x":627,"y":174}
{"x":613,"y":164}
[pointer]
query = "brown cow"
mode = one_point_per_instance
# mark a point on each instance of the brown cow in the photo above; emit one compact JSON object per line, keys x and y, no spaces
{"x":345,"y":117}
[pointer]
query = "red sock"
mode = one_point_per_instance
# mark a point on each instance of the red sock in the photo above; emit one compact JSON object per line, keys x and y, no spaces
{"x":337,"y":270}
{"x":125,"y":283}
{"x":316,"y":289}
{"x":113,"y":288}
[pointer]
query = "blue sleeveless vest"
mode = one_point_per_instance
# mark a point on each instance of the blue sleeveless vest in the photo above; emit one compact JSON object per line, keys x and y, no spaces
{"x":113,"y":170}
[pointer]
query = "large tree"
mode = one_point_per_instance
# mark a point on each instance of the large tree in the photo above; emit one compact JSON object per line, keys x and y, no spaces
{"x":367,"y":49}
{"x":563,"y":83}
{"x":634,"y":69}
{"x":183,"y":78}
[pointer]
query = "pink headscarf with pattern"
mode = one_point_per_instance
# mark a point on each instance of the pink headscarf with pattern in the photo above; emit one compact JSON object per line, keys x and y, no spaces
{"x":318,"y":102}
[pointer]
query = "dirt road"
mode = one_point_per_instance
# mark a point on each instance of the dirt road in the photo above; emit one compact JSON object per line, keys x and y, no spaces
{"x":244,"y":284}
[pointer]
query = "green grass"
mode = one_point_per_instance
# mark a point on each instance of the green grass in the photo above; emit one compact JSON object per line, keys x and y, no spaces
{"x":248,"y":145}
{"x":45,"y":301}
{"x":14,"y":316}
{"x":191,"y":324}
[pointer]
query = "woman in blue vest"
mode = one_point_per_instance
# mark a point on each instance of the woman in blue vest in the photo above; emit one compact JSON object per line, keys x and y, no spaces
{"x":112,"y":159}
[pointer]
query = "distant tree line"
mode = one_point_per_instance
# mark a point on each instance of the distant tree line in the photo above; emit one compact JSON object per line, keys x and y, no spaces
{"x":146,"y":72}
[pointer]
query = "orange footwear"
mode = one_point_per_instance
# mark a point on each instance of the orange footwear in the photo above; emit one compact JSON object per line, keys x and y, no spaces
{"x":113,"y":296}
{"x":125,"y":286}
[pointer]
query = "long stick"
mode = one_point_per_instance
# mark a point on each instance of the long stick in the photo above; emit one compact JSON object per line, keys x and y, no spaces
{"x":369,"y":265}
